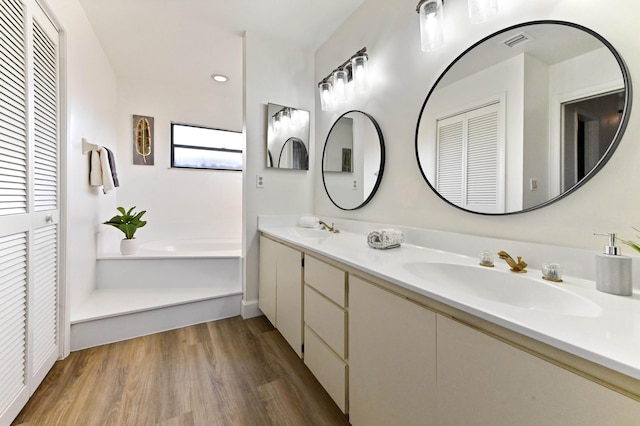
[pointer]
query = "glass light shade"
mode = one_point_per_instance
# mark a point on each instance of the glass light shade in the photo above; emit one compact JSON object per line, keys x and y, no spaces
{"x":296,"y":117}
{"x":326,"y":96}
{"x":340,"y":80}
{"x":359,"y":68}
{"x":482,"y":10}
{"x":286,"y":117}
{"x":276,"y":122}
{"x":431,"y":23}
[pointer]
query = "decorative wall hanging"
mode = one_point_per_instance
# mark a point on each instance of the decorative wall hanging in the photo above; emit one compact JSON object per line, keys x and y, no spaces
{"x":143,"y":140}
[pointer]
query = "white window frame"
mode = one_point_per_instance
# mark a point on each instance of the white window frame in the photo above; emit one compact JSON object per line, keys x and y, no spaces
{"x":219,"y":148}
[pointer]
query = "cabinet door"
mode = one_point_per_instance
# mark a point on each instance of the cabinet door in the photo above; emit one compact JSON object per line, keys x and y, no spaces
{"x":289,"y":296}
{"x":483,"y":381}
{"x":327,"y":366}
{"x":267,"y":283}
{"x":392,"y":358}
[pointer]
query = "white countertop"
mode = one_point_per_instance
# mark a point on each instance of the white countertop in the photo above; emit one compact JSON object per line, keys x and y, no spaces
{"x":610,"y":338}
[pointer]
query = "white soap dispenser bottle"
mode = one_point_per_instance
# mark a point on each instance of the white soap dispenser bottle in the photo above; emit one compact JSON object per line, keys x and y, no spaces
{"x":613,"y":271}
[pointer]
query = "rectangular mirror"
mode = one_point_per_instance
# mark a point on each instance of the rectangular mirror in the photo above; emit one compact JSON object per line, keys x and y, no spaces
{"x":287,"y":137}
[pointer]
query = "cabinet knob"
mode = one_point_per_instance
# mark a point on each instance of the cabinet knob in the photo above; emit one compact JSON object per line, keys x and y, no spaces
{"x":48,"y":218}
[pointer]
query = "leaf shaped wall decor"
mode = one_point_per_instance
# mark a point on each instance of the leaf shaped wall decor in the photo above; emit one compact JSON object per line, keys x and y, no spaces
{"x":143,"y":138}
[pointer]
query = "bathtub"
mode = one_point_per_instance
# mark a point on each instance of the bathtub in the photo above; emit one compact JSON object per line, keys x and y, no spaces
{"x":166,"y":285}
{"x":191,"y":248}
{"x":192,"y":263}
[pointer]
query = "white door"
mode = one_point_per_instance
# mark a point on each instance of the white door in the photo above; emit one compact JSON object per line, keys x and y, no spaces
{"x":29,"y":202}
{"x":470,"y":159}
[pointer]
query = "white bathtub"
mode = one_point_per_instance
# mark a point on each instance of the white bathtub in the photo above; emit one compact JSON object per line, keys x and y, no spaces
{"x":193,"y":263}
{"x":166,"y":285}
{"x":195,"y":248}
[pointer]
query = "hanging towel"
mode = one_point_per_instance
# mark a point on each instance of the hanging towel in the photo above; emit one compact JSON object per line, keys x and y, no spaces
{"x":95,"y":170}
{"x":385,"y":238}
{"x":112,"y":167}
{"x":107,"y":178}
{"x":102,"y":171}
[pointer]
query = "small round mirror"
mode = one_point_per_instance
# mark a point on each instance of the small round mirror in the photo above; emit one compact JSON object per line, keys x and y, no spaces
{"x":353,"y":160}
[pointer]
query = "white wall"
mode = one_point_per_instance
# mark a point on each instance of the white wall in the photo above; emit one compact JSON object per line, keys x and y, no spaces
{"x":90,"y":113}
{"x":401,"y":78}
{"x":274,"y":72}
{"x":535,"y":132}
{"x":180,"y":203}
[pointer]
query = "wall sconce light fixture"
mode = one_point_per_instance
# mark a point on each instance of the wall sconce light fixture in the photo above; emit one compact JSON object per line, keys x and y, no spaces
{"x":431,"y":19}
{"x":335,"y":88}
{"x":284,"y":118}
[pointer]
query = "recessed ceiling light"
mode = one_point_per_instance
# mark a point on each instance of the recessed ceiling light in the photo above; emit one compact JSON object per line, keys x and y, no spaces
{"x":219,"y":78}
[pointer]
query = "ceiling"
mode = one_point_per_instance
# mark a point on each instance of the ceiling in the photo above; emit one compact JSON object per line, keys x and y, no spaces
{"x":183,"y":42}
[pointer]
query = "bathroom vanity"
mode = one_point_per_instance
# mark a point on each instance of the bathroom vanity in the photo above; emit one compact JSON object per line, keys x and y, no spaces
{"x":395,"y":337}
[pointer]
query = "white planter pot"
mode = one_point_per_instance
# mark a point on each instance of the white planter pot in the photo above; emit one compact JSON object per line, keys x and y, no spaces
{"x":128,"y":247}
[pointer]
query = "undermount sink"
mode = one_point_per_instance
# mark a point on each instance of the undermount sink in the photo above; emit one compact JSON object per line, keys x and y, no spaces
{"x":508,"y":288}
{"x":310,"y":233}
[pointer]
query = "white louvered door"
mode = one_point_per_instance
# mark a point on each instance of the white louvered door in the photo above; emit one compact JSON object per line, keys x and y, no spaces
{"x":470,"y":160}
{"x":450,"y":166}
{"x":29,"y":188}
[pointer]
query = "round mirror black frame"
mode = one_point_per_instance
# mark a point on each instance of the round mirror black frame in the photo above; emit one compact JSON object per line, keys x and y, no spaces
{"x":380,"y":169}
{"x":605,"y":157}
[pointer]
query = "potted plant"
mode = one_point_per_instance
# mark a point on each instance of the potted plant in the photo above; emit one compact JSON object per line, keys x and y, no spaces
{"x":128,"y":222}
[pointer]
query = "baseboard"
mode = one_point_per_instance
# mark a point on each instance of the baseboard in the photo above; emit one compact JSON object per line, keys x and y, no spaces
{"x":250,"y":309}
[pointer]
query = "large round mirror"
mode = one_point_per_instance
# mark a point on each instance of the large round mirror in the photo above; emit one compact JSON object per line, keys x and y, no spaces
{"x":523,"y":117}
{"x":353,"y":160}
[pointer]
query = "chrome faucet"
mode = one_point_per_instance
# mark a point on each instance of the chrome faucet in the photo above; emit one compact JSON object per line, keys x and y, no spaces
{"x":518,"y":266}
{"x":331,"y":228}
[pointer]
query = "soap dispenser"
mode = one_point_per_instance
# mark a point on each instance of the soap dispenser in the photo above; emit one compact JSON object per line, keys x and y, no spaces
{"x":613,"y":271}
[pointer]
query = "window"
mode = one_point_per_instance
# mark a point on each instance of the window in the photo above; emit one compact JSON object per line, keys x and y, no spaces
{"x":197,"y":147}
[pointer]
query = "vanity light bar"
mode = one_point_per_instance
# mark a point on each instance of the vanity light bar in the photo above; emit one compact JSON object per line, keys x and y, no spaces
{"x":333,"y":88}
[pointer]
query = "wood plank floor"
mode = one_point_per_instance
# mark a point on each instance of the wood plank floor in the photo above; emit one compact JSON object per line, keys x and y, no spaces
{"x":227,"y":372}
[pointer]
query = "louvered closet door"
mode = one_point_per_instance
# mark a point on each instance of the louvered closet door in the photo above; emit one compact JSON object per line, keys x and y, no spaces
{"x":28,"y":202}
{"x":470,"y":159}
{"x":43,"y":271}
{"x":450,"y":166}
{"x":484,"y":168}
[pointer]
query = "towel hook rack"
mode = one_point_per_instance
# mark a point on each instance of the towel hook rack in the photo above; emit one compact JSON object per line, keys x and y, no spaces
{"x":87,"y":146}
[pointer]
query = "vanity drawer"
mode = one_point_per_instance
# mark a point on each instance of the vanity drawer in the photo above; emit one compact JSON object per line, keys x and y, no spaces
{"x":327,"y":319}
{"x":327,"y":279}
{"x":327,"y":367}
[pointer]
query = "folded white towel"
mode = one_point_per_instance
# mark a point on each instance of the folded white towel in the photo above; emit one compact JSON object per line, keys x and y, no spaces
{"x":385,"y":238}
{"x":309,"y":222}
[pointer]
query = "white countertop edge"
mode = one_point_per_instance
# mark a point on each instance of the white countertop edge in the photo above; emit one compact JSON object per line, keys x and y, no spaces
{"x":626,"y":362}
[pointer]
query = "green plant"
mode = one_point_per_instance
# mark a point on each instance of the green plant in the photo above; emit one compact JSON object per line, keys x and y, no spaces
{"x":128,"y":222}
{"x":631,"y":244}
